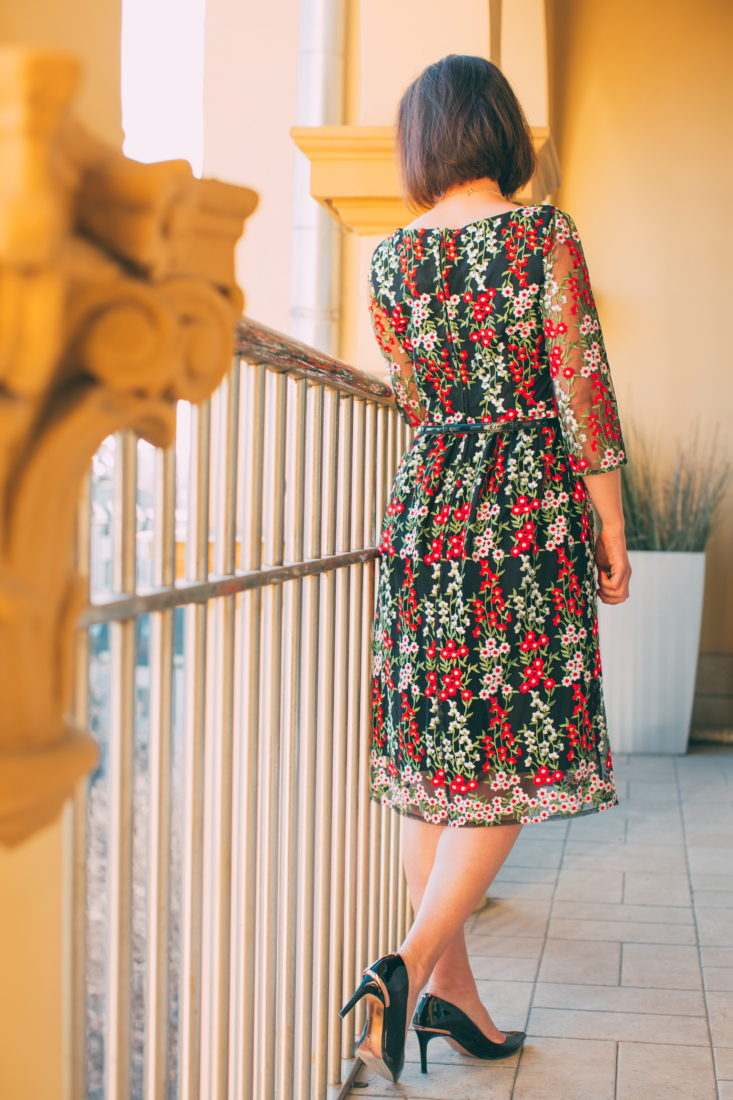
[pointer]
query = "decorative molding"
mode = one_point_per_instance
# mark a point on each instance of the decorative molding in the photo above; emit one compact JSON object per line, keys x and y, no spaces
{"x":117,"y":298}
{"x":354,"y":175}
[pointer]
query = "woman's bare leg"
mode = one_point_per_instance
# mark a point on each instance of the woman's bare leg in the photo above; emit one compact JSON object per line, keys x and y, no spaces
{"x":448,"y":872}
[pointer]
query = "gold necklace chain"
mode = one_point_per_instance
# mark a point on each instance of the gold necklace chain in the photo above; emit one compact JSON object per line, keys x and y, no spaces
{"x":471,"y":191}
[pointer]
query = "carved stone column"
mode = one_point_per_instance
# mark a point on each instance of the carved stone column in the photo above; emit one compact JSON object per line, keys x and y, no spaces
{"x":117,"y":298}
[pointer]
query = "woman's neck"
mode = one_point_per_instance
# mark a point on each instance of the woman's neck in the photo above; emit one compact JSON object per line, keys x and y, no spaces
{"x":463,"y":203}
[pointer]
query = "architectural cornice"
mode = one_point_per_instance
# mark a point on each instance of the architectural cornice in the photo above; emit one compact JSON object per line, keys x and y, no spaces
{"x":354,"y":175}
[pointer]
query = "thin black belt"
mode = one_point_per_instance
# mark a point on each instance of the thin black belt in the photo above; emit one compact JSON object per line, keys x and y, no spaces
{"x":475,"y":429}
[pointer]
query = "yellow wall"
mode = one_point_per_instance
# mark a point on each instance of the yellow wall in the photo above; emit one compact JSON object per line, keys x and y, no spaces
{"x":31,"y":895}
{"x":386,"y":49}
{"x":641,"y":106}
{"x":89,"y":29}
{"x":398,"y":40}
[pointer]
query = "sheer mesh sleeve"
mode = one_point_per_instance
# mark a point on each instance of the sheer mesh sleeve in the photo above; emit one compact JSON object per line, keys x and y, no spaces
{"x":398,"y":361}
{"x":578,"y":364}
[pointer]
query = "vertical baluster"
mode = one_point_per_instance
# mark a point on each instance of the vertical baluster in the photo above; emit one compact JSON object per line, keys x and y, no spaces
{"x":392,"y":420}
{"x":324,"y":809}
{"x":366,"y":934}
{"x":75,"y":992}
{"x":197,"y":556}
{"x":269,"y":761}
{"x":404,"y":442}
{"x":220,"y":812}
{"x":365,"y":894}
{"x":396,"y":443}
{"x":385,"y":852}
{"x":405,"y":907}
{"x":384,"y":451}
{"x":401,"y":889}
{"x":380,"y":818}
{"x":308,"y":753}
{"x":352,"y":792}
{"x":289,"y":753}
{"x":342,"y":657}
{"x":397,"y":879}
{"x":394,"y":881}
{"x":122,"y":708}
{"x":394,"y":453}
{"x":246,"y":745}
{"x":161,"y":715}
{"x":375,"y":852}
{"x":406,"y":917}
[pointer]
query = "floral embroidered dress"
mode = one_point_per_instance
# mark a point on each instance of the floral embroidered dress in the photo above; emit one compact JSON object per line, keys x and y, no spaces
{"x":487,"y":699}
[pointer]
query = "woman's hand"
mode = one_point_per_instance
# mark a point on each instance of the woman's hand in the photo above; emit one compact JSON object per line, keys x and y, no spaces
{"x":614,"y":570}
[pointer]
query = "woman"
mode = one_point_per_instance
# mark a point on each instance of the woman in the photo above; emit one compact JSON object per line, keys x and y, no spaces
{"x":488,"y":711}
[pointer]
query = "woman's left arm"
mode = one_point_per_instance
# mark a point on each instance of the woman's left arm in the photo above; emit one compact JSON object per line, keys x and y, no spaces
{"x":612,"y":559}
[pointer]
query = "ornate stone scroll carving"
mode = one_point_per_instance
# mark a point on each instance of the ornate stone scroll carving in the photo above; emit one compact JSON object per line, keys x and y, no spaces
{"x":117,"y":297}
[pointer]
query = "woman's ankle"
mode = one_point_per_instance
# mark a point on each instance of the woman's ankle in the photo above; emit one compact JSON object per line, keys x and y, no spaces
{"x":417,"y":974}
{"x":454,"y":992}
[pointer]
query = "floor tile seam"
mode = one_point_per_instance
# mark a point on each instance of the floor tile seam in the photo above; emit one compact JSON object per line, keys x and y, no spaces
{"x":634,"y":905}
{"x":590,"y":920}
{"x":541,"y":955}
{"x":625,"y":1012}
{"x":608,"y":985}
{"x":697,"y":933}
{"x":636,"y":1042}
{"x":627,"y":939}
{"x":615,"y":1081}
{"x":605,"y":985}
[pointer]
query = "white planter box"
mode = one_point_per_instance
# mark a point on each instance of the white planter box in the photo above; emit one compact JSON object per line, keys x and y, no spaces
{"x":649,"y":648}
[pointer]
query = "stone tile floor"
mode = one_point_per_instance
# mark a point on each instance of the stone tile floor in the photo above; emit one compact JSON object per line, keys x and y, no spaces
{"x":610,"y":941}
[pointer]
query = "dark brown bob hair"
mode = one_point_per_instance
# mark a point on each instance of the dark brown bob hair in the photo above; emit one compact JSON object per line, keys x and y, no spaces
{"x":459,"y":121}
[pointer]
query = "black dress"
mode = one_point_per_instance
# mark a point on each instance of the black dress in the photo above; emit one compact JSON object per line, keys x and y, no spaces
{"x":487,"y":699}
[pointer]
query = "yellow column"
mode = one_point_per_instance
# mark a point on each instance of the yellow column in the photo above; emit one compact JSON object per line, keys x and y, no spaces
{"x":31,"y":988}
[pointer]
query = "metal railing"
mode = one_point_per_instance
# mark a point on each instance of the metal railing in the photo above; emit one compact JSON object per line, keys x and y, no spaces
{"x":231,"y":877}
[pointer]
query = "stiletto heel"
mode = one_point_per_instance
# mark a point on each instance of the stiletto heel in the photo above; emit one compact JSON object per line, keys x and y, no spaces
{"x":435,"y":1016}
{"x":423,"y":1038}
{"x":386,"y":987}
{"x":362,"y":991}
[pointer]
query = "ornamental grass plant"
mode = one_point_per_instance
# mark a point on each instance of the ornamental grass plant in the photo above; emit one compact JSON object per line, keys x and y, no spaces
{"x":675,"y":512}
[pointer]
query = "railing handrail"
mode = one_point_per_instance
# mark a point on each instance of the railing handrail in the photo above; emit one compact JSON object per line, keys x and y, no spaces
{"x":256,"y":343}
{"x":117,"y":608}
{"x":230,"y":822}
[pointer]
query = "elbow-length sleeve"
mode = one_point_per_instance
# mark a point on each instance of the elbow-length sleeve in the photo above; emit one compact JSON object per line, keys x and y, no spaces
{"x":581,"y":377}
{"x":399,"y":362}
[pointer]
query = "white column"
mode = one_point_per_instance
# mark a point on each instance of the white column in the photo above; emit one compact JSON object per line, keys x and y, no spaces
{"x":315,"y":272}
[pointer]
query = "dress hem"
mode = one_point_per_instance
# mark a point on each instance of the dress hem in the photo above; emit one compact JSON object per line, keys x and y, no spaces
{"x":497,"y":824}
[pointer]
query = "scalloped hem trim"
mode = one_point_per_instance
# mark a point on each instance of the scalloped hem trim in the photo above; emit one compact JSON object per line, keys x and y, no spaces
{"x":585,"y":812}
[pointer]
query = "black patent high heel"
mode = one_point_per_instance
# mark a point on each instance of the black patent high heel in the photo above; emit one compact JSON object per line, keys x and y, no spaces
{"x":386,"y":987}
{"x":435,"y":1017}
